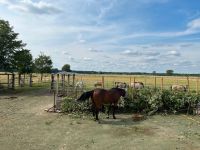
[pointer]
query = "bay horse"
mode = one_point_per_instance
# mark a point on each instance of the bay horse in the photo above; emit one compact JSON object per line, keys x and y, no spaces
{"x":100,"y":97}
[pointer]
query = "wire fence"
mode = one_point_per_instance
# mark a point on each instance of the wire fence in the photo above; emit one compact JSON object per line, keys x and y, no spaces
{"x":8,"y":80}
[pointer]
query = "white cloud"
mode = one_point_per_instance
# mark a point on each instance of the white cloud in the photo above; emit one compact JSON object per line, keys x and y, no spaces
{"x":87,"y":59}
{"x":65,"y":53}
{"x":173,"y":53}
{"x":29,"y":6}
{"x":4,"y":1}
{"x":95,"y":50}
{"x":194,"y":25}
{"x":130,"y":52}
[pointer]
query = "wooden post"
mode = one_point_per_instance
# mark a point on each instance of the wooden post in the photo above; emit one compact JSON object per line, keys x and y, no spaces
{"x":54,"y":101}
{"x":68,"y":79}
{"x":73,"y":79}
{"x":155,"y":83}
{"x":13,"y":81}
{"x":19,"y":79}
{"x":130,"y":82}
{"x":57,"y":84}
{"x":24,"y":79}
{"x":52,"y":81}
{"x":8,"y":78}
{"x":188,"y":83}
{"x":30,"y":81}
{"x":162,"y":83}
{"x":134,"y":82}
{"x":102,"y":81}
{"x":62,"y":80}
{"x":197,"y":86}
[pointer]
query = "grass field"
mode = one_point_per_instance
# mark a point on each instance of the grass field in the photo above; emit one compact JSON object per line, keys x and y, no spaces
{"x":25,"y":125}
{"x":164,"y":82}
{"x":147,"y":80}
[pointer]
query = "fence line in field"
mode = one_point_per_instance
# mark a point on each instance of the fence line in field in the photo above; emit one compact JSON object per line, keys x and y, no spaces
{"x":162,"y":82}
{"x":10,"y":80}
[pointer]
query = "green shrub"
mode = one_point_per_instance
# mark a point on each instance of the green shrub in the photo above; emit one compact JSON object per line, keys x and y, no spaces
{"x":70,"y":105}
{"x":146,"y":100}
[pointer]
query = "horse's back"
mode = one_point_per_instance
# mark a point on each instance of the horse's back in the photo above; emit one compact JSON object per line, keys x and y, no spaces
{"x":106,"y":96}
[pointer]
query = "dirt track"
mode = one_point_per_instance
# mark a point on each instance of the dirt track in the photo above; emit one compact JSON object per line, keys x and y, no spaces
{"x":25,"y":125}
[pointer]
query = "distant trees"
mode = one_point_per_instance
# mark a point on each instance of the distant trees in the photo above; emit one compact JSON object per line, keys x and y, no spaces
{"x":9,"y":45}
{"x":43,"y":64}
{"x":54,"y":70}
{"x":66,"y":67}
{"x":154,"y":72}
{"x":23,"y":61}
{"x":169,"y":72}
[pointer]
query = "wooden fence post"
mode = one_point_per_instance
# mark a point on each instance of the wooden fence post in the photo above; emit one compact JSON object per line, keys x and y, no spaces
{"x":197,"y":86}
{"x":73,"y":82}
{"x":13,"y":81}
{"x":8,"y":78}
{"x":155,"y":83}
{"x":134,"y":82}
{"x":30,"y":81}
{"x":68,"y":79}
{"x":62,"y":80}
{"x":52,"y":81}
{"x":130,"y":82}
{"x":162,"y":83}
{"x":19,"y":79}
{"x":57,"y":84}
{"x":188,"y":83}
{"x":102,"y":81}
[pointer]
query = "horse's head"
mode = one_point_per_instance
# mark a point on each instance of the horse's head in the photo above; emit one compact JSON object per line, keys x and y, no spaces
{"x":123,"y":92}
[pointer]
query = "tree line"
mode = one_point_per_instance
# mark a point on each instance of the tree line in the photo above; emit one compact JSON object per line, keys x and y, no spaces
{"x":14,"y":57}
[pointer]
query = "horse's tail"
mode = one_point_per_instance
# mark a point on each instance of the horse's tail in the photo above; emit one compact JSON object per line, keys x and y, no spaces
{"x":85,"y":96}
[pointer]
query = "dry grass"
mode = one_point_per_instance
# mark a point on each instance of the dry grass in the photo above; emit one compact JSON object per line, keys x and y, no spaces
{"x":109,"y":80}
{"x":147,"y":80}
{"x":25,"y":125}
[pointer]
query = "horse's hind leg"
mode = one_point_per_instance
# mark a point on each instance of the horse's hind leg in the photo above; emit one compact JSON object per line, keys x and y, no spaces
{"x":109,"y":108}
{"x":97,"y":113}
{"x":114,"y":107}
{"x":93,"y":110}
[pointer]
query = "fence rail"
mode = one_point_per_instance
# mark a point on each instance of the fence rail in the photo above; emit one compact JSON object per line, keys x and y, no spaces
{"x":8,"y":80}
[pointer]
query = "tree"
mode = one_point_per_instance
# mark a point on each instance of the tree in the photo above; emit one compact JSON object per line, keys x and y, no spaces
{"x":54,"y":70}
{"x":23,"y":61}
{"x":66,"y":67}
{"x":154,"y":72}
{"x":169,"y":72}
{"x":9,"y":44}
{"x":43,"y":64}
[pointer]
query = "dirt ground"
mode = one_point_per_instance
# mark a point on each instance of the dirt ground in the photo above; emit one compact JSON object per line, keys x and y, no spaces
{"x":24,"y":125}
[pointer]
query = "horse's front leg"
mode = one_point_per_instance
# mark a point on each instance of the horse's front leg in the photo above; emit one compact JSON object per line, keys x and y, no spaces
{"x":97,"y":113}
{"x":109,"y":108}
{"x":114,"y":107}
{"x":93,"y":110}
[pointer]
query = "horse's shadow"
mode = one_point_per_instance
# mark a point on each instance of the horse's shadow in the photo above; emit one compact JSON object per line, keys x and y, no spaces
{"x":128,"y":121}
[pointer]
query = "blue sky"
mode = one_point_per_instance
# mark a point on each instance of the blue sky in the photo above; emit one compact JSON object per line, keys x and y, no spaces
{"x":110,"y":35}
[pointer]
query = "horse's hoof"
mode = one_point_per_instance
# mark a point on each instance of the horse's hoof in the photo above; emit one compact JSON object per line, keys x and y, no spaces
{"x":114,"y":117}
